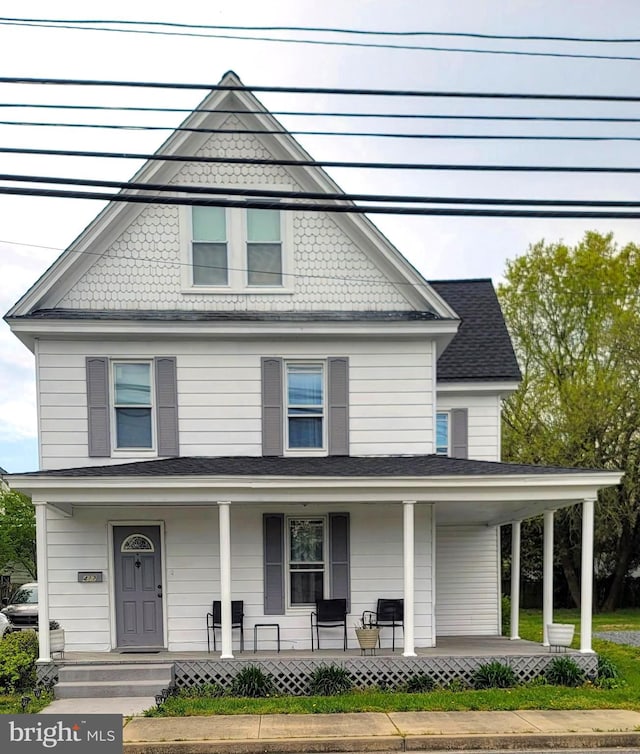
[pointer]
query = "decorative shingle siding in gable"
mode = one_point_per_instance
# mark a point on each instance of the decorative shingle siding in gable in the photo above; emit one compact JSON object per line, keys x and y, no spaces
{"x":141,"y":269}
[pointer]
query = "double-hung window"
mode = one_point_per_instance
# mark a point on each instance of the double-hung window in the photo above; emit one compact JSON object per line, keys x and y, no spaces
{"x":209,"y":246}
{"x":442,"y":433}
{"x":305,"y":396}
{"x":306,"y":560}
{"x":231,"y":249}
{"x":264,"y":247}
{"x":132,"y":405}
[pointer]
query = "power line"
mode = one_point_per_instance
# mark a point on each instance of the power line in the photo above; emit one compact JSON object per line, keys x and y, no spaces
{"x":318,"y":207}
{"x":452,"y":167}
{"x":254,"y":193}
{"x":356,"y":134}
{"x":322,"y":42}
{"x":319,"y":90}
{"x":331,"y":30}
{"x":324,"y":114}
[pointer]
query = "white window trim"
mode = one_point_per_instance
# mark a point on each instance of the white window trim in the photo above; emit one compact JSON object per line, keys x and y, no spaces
{"x":304,"y":608}
{"x":236,"y":223}
{"x":131,"y":452}
{"x":435,"y":434}
{"x":324,"y":450}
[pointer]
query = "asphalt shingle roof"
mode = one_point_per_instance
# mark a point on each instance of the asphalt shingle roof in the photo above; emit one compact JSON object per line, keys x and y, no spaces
{"x":333,"y":466}
{"x":482,"y":348}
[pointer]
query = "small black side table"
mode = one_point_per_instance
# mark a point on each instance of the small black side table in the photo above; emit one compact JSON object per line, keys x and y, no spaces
{"x":265,"y":625}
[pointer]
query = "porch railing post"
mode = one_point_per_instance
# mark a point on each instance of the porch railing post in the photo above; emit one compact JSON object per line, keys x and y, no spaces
{"x":547,"y":577}
{"x":586,"y":578}
{"x":225,"y":578}
{"x":409,"y":568}
{"x":44,"y":645}
{"x":515,"y":580}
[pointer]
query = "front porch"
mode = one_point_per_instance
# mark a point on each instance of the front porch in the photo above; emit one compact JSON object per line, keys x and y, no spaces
{"x":455,"y":658}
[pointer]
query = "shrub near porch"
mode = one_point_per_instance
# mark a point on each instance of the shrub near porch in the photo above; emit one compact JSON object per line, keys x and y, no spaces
{"x":531,"y":696}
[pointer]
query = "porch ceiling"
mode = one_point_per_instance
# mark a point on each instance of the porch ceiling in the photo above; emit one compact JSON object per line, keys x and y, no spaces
{"x":464,"y":491}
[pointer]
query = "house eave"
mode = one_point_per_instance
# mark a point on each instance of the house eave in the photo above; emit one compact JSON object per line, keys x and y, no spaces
{"x":515,"y":490}
{"x":503,"y":387}
{"x":28,"y":330}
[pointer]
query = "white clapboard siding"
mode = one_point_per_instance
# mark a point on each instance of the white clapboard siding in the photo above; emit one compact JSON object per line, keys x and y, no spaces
{"x":484,"y":422}
{"x":192,"y":573}
{"x":467,"y":588}
{"x":219,"y":394}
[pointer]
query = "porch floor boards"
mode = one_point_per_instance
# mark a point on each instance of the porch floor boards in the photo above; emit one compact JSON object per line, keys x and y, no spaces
{"x":448,"y":646}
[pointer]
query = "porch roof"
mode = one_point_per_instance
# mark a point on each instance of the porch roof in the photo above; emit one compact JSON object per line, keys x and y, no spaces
{"x":305,"y":466}
{"x":464,"y":491}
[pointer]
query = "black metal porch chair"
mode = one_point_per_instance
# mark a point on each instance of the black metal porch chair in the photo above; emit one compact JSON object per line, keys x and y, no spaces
{"x":214,"y":620}
{"x":388,"y":612}
{"x":329,"y":614}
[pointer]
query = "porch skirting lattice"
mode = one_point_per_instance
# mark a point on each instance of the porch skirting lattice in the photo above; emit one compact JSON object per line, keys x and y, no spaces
{"x":291,"y":674}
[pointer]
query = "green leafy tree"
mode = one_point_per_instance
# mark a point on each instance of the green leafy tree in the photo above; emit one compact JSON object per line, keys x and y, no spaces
{"x":17,"y":533}
{"x":574,"y":315}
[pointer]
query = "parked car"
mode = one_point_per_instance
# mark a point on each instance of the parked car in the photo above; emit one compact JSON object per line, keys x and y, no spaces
{"x":22,"y":610}
{"x":5,"y":626}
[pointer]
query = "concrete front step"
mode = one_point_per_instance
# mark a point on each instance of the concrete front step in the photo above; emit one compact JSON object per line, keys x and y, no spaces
{"x":112,"y":680}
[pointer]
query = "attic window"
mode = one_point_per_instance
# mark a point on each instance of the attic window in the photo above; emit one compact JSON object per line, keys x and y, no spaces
{"x":230,"y":250}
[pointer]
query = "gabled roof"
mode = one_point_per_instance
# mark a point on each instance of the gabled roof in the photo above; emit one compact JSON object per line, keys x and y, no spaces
{"x":333,"y":466}
{"x":481,"y":350}
{"x":73,"y":263}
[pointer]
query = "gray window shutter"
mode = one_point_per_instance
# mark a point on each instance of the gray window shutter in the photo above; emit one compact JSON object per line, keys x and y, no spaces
{"x":97,"y":369}
{"x":273,"y":544}
{"x":339,"y":556}
{"x":167,"y":406}
{"x":459,"y":433}
{"x":338,"y":406}
{"x":272,"y":413}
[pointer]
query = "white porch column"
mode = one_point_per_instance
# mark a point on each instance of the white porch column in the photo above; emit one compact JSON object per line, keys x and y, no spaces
{"x":547,"y":577}
{"x":515,"y":580}
{"x":409,"y":567}
{"x":586,"y":579}
{"x":43,"y":582}
{"x":224,"y":520}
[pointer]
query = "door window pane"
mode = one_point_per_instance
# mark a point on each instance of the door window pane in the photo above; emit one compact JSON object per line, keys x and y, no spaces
{"x":306,"y":560}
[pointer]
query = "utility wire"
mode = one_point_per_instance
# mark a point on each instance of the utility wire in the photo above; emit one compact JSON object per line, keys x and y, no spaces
{"x":317,"y":207}
{"x":329,"y":30}
{"x":311,"y":113}
{"x":357,"y":134}
{"x":254,"y":193}
{"x":322,"y":42}
{"x":319,"y":90}
{"x":159,"y":157}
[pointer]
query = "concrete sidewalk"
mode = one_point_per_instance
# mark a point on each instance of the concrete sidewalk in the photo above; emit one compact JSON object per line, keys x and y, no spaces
{"x":395,"y":731}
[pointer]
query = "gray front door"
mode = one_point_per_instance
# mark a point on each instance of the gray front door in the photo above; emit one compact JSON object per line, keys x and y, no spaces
{"x":138,"y":586}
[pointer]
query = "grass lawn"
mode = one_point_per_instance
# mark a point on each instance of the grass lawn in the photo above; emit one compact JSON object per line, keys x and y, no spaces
{"x":11,"y":705}
{"x":627,"y":660}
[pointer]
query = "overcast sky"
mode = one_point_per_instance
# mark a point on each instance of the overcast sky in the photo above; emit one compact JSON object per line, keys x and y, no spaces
{"x":34,"y":231}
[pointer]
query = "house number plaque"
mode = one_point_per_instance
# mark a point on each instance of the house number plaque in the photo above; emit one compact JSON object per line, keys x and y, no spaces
{"x":89,"y":577}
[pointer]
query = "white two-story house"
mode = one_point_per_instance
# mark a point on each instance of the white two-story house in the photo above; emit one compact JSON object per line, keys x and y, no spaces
{"x":240,"y":400}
